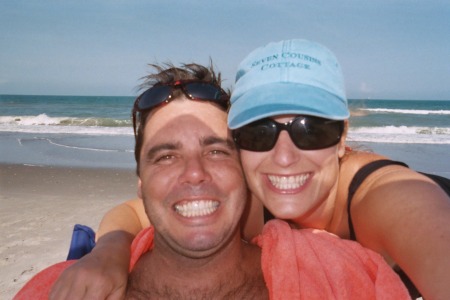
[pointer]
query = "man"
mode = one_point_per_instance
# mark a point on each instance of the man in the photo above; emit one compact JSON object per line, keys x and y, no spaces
{"x":194,"y":194}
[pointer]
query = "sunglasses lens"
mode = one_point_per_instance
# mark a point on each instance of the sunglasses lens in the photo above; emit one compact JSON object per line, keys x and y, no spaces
{"x":257,"y":136}
{"x":154,"y":96}
{"x":313,"y":133}
{"x":194,"y":90}
{"x":200,"y":90}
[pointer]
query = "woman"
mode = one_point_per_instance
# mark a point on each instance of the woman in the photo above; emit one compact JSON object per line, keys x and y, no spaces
{"x":289,"y":116}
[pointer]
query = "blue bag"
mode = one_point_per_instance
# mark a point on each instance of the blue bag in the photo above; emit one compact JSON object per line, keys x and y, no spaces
{"x":83,"y":241}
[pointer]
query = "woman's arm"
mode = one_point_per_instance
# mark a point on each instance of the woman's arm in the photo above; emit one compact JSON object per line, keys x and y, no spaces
{"x":405,"y":216}
{"x":129,"y":216}
{"x":104,"y":272}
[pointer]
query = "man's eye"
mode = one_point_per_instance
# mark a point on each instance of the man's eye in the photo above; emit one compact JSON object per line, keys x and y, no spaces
{"x":219,"y":152}
{"x":164,"y":158}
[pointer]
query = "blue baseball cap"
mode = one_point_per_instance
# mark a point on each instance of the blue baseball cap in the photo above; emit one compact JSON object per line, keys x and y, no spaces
{"x":288,"y":77}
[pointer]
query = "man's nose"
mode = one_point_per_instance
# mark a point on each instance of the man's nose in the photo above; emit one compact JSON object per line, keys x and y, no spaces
{"x":195,"y":171}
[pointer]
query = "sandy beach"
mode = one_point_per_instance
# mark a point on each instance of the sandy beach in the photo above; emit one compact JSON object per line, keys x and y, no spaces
{"x":38,"y":209}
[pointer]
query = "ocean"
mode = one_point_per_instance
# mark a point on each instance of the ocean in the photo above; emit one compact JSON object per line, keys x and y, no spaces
{"x":91,"y":131}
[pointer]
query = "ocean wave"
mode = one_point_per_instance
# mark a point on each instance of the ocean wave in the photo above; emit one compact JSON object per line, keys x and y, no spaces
{"x":401,"y":134}
{"x":407,"y":111}
{"x":379,"y":134}
{"x":78,"y":130}
{"x":44,"y":119}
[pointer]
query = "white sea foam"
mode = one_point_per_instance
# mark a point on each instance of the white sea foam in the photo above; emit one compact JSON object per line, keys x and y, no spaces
{"x":87,"y":130}
{"x":401,"y":134}
{"x":44,"y":119}
{"x":41,"y":119}
{"x":68,"y":125}
{"x":407,"y":111}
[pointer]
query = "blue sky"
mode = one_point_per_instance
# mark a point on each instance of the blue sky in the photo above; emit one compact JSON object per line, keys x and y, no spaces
{"x":389,"y":49}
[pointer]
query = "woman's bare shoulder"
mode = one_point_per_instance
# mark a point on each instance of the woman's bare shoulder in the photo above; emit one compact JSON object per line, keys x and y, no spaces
{"x":355,"y":159}
{"x":351,"y":163}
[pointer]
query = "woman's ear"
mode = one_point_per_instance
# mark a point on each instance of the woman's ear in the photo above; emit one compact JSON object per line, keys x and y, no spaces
{"x":341,"y":145}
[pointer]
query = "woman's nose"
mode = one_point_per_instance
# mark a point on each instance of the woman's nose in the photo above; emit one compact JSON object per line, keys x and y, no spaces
{"x":285,"y":153}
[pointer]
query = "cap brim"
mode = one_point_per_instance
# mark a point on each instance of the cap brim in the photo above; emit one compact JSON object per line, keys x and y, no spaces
{"x":285,"y":98}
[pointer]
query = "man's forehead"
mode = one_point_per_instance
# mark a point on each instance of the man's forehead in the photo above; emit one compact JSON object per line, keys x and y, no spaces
{"x":184,"y":114}
{"x":193,"y":118}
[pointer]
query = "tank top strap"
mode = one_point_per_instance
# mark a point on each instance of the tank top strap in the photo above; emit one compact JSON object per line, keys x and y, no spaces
{"x":358,"y":179}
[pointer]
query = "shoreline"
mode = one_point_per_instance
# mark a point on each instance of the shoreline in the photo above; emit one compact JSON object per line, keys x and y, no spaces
{"x":39,"y":207}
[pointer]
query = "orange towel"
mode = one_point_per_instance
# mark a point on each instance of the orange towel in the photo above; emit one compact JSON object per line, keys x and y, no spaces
{"x":142,"y":243}
{"x":326,"y":267}
{"x":39,"y":287}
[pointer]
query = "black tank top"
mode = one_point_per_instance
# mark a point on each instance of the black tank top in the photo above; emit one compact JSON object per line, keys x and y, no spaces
{"x":359,"y":177}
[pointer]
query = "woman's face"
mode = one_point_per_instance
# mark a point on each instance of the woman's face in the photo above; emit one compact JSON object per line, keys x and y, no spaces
{"x":294,"y":184}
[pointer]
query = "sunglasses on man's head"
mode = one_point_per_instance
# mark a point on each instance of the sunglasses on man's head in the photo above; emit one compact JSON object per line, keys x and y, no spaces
{"x":306,"y":132}
{"x":193,"y":89}
{"x":163,"y":93}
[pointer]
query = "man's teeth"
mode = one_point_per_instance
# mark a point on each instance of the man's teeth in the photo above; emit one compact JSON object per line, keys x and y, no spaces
{"x":196,"y":208}
{"x":288,"y":182}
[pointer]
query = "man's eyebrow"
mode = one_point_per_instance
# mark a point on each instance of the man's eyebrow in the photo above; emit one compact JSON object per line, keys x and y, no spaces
{"x":211,"y":140}
{"x":207,"y":141}
{"x":161,"y":147}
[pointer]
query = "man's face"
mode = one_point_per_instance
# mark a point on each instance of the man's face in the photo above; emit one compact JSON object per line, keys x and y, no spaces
{"x":191,"y":179}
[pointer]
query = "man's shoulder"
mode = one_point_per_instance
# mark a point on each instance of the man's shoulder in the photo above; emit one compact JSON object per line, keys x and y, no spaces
{"x":40,"y":285}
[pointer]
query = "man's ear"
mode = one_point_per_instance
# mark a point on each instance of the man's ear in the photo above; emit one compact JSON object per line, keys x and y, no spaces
{"x":139,"y":191}
{"x":341,"y":145}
